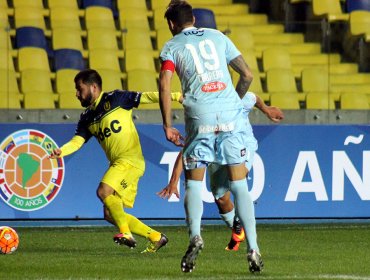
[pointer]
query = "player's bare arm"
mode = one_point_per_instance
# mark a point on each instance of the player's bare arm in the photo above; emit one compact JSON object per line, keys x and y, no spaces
{"x":246,"y":76}
{"x":171,"y":188}
{"x":273,"y":113}
{"x":172,"y":134}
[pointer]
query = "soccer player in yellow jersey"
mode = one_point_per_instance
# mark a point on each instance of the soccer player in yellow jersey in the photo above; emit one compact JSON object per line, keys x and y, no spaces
{"x":108,"y":117}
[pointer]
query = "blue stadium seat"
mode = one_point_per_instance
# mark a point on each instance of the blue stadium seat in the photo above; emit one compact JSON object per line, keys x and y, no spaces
{"x":204,"y":18}
{"x":102,"y":3}
{"x":68,"y":59}
{"x":30,"y":37}
{"x":353,"y":5}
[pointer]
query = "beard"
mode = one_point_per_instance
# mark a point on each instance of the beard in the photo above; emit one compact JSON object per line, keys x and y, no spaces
{"x":87,"y":101}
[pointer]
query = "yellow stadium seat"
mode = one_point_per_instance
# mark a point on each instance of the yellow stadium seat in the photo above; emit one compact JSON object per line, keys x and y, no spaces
{"x":163,"y":35}
{"x":29,"y":16}
{"x":102,"y":17}
{"x":39,"y":100}
{"x":319,"y":101}
{"x":133,"y":18}
{"x":256,"y":85}
{"x":64,"y":17}
{"x":349,"y":101}
{"x":5,"y":41}
{"x":242,"y":40}
{"x":285,"y":101}
{"x":33,"y":80}
{"x":4,"y":18}
{"x":71,"y":4}
{"x":68,"y":100}
{"x":281,"y":80}
{"x":137,"y":4}
{"x":331,"y":9}
{"x":9,"y":101}
{"x":136,"y":38}
{"x":228,"y":9}
{"x":6,"y":59}
{"x":254,"y":29}
{"x":250,"y":57}
{"x":315,"y":79}
{"x":350,"y":79}
{"x":241,"y":20}
{"x":104,"y":59}
{"x":28,"y":3}
{"x":359,"y":22}
{"x":32,"y":58}
{"x":158,"y":18}
{"x":139,"y":59}
{"x":142,"y":80}
{"x":102,"y":38}
{"x":111,"y":79}
{"x":160,"y":3}
{"x":64,"y":80}
{"x":276,"y":58}
{"x":8,"y":82}
{"x":343,"y":68}
{"x":278,"y":39}
{"x":67,"y":38}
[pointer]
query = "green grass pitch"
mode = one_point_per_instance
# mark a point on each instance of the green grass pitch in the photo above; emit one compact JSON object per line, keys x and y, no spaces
{"x":295,"y":251}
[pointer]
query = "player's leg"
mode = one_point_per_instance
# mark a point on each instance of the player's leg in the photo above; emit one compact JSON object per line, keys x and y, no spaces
{"x":193,"y":209}
{"x":245,"y":209}
{"x":114,"y":205}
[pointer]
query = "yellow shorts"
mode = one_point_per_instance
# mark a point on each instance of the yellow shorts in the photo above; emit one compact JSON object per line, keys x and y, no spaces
{"x":123,"y":178}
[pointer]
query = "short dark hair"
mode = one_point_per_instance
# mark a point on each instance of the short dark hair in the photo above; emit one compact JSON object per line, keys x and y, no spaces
{"x":179,"y":12}
{"x":89,"y":76}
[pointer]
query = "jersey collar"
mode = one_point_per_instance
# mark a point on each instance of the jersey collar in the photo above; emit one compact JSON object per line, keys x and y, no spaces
{"x":97,"y":101}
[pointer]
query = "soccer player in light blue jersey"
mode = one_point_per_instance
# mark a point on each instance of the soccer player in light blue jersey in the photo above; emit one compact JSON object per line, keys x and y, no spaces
{"x":218,"y":173}
{"x":214,"y":122}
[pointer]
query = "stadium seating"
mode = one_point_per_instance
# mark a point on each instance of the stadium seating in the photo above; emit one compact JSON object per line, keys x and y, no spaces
{"x":68,"y":59}
{"x":71,"y":4}
{"x":5,"y":40}
{"x":273,"y":58}
{"x":282,"y":81}
{"x":9,"y":101}
{"x":134,"y":18}
{"x":32,"y":58}
{"x":67,"y":38}
{"x":68,"y":101}
{"x":285,"y":101}
{"x":139,"y":59}
{"x":163,"y":35}
{"x":8,"y":82}
{"x":315,"y":79}
{"x":330,"y":9}
{"x":35,"y":80}
{"x":64,"y":81}
{"x":354,"y":5}
{"x":29,"y":16}
{"x":137,"y":4}
{"x":319,"y":101}
{"x":349,"y":101}
{"x":30,"y":37}
{"x":137,"y":38}
{"x":101,"y":38}
{"x":359,"y":22}
{"x":4,"y":18}
{"x":98,"y":16}
{"x":39,"y":100}
{"x":204,"y":18}
{"x":64,"y":17}
{"x":111,"y":79}
{"x":243,"y":39}
{"x":98,"y":3}
{"x":224,"y":9}
{"x":6,"y":60}
{"x":104,"y":59}
{"x":27,"y":3}
{"x":142,"y":80}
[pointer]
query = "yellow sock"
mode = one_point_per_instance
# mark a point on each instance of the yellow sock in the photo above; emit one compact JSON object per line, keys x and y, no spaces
{"x":115,"y":207}
{"x":139,"y":228}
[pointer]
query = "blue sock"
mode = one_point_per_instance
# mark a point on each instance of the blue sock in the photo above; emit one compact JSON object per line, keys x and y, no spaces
{"x":228,"y":218}
{"x":193,"y":206}
{"x":245,"y":209}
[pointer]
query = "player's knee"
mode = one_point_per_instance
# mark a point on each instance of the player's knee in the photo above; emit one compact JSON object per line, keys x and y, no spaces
{"x":224,"y":204}
{"x":103,"y":191}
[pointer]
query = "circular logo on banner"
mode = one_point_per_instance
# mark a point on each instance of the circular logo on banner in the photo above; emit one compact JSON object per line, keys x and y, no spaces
{"x":29,"y":179}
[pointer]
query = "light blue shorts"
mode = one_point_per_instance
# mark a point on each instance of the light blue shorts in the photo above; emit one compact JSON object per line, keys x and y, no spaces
{"x":215,"y":137}
{"x":218,"y":177}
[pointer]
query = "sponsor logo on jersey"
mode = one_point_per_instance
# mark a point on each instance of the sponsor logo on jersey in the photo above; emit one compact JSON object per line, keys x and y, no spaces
{"x":197,"y":32}
{"x":29,"y":179}
{"x":107,"y":106}
{"x":103,"y":133}
{"x":213,"y":87}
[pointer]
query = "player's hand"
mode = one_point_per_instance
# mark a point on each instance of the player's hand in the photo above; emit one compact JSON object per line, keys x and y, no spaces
{"x":174,"y":136}
{"x":168,"y":191}
{"x":275,"y":114}
{"x":55,"y":153}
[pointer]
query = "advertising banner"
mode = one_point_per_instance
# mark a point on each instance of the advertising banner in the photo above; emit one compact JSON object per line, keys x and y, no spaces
{"x":299,"y":171}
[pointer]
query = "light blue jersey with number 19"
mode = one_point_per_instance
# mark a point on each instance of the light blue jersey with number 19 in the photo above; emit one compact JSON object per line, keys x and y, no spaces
{"x":201,"y":58}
